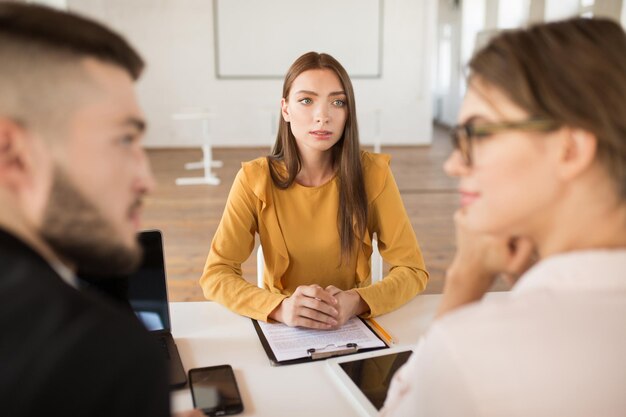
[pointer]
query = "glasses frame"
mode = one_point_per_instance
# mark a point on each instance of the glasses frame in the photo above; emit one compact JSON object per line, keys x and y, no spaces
{"x":463,"y":134}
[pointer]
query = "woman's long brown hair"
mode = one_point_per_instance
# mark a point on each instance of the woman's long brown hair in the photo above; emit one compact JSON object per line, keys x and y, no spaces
{"x":352,"y":215}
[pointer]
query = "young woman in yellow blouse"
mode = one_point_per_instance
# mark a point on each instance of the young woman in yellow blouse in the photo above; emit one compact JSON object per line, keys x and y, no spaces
{"x":315,"y":203}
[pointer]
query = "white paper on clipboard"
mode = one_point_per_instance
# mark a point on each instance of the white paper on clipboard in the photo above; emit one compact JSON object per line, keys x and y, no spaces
{"x":290,"y":343}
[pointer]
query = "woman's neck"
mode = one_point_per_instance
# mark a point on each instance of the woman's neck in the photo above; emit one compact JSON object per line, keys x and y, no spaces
{"x":585,"y":218}
{"x":317,"y":168}
{"x":606,"y":231}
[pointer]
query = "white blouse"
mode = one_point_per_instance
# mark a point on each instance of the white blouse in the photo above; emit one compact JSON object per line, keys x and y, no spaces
{"x":554,"y":346}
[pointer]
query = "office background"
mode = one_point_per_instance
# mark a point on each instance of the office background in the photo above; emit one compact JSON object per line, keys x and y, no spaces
{"x":226,"y":58}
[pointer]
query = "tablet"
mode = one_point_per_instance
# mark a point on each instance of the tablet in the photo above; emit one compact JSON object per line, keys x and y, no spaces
{"x":365,"y":378}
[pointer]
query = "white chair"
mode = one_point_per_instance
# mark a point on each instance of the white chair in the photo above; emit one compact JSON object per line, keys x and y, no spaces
{"x":376,"y":264}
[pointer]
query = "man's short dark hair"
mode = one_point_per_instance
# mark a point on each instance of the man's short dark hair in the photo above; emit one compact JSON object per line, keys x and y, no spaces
{"x":67,"y":32}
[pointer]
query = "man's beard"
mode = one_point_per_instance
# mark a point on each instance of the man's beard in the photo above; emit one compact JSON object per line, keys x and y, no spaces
{"x":77,"y":231}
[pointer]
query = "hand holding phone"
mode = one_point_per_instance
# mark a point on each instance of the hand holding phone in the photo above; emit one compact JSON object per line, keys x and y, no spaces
{"x":214,"y":390}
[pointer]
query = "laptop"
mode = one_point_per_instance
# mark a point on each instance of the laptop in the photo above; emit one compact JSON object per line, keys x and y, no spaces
{"x":147,"y":294}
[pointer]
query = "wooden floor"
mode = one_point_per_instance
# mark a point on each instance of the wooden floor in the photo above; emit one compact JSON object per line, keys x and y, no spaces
{"x":189,"y":215}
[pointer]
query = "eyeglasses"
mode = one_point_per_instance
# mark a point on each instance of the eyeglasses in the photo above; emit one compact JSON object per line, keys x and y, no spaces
{"x":463,"y":135}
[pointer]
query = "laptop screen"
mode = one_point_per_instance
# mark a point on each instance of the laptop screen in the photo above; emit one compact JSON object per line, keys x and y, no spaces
{"x":147,"y":289}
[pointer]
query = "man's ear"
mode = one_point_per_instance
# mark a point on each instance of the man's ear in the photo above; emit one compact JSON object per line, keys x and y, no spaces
{"x":284,"y":109}
{"x":578,"y":151}
{"x":15,"y":158}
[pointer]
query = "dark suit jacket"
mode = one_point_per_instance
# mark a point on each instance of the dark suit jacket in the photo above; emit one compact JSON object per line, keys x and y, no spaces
{"x":64,"y":352}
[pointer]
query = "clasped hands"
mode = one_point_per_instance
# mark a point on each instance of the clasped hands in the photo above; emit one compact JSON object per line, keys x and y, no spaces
{"x":319,"y":308}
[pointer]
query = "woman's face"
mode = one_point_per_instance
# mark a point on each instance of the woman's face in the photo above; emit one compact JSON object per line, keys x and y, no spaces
{"x":316,"y":110}
{"x":511,"y":186}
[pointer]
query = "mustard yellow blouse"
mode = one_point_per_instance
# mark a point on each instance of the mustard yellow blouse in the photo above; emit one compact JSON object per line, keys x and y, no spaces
{"x":298,"y":231}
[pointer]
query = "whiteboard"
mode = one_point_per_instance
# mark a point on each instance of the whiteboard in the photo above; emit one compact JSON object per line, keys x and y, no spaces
{"x":261,"y":39}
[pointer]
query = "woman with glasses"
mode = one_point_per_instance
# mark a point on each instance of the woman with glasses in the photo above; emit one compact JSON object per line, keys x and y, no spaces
{"x":540,"y":154}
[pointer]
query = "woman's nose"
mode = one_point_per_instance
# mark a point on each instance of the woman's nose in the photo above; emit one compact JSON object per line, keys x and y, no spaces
{"x":454,"y":166}
{"x":321,"y":114}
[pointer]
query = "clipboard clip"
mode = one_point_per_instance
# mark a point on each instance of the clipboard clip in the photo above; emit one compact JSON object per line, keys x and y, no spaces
{"x":332,"y":350}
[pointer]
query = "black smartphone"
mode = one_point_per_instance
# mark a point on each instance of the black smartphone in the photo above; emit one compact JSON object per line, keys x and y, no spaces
{"x":214,"y":390}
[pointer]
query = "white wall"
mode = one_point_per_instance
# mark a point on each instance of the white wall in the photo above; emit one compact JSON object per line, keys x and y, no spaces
{"x":447,"y":97}
{"x":475,"y":21}
{"x":59,"y":4}
{"x":176,"y":39}
{"x":608,"y":8}
{"x":561,"y":9}
{"x":513,"y":14}
{"x":238,"y":59}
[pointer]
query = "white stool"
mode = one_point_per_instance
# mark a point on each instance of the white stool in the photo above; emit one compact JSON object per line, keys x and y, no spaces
{"x":207,"y":162}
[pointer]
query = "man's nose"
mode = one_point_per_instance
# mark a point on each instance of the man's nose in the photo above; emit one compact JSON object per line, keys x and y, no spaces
{"x":145,"y":179}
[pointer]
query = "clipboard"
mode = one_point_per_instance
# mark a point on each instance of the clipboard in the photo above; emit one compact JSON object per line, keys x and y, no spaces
{"x":319,"y":352}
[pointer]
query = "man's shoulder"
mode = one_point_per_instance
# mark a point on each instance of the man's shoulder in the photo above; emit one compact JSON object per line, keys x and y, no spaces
{"x":34,"y":298}
{"x":44,"y":296}
{"x":39,"y":307}
{"x":58,"y":339}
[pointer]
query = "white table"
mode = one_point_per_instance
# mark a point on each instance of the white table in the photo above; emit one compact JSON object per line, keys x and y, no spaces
{"x":208,"y":334}
{"x":207,"y":162}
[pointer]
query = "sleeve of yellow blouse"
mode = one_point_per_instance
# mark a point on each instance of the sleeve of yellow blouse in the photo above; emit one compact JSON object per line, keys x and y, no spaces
{"x":399,"y":248}
{"x":222,"y":280}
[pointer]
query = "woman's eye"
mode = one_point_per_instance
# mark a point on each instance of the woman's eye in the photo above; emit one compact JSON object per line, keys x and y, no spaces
{"x":339,"y":103}
{"x":127,"y":139}
{"x":306,"y":101}
{"x":479,"y":132}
